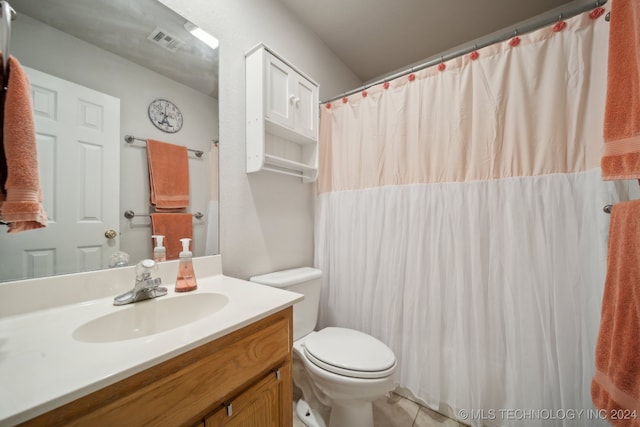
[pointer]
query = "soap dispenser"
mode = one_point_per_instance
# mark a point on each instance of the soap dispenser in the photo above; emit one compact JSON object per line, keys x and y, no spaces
{"x":186,"y":280}
{"x":159,"y":251}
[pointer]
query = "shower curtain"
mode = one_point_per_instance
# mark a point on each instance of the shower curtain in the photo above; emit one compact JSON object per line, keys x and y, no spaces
{"x":459,"y":220}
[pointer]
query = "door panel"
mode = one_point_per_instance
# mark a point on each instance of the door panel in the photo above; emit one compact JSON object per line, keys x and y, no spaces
{"x":306,"y":112}
{"x":257,"y":406}
{"x":279,"y":91}
{"x":77,"y":135}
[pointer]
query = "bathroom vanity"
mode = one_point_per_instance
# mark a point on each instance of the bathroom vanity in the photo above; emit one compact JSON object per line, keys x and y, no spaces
{"x":218,"y":356}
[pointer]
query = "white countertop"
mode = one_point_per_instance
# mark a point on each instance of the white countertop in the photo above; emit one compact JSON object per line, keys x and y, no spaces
{"x":42,"y":366}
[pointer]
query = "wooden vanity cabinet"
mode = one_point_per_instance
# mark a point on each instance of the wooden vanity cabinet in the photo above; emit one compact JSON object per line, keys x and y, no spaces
{"x":241,"y":379}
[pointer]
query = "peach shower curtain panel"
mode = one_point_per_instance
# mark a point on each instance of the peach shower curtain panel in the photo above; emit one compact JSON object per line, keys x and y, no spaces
{"x":513,"y":111}
{"x":460,"y":221}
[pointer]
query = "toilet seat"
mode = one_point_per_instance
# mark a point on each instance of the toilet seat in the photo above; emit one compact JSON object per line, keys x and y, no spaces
{"x":350,"y":353}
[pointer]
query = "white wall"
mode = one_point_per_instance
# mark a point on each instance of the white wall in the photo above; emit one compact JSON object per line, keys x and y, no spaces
{"x":46,"y":49}
{"x":266,"y":219}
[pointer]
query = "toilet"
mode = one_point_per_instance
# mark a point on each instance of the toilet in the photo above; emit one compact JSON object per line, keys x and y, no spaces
{"x":339,"y":368}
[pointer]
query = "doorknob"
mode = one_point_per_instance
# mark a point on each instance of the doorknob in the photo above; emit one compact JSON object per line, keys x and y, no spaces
{"x":110,"y":234}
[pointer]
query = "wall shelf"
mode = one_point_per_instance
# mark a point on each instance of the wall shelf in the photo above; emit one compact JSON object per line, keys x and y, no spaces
{"x":282,"y":116}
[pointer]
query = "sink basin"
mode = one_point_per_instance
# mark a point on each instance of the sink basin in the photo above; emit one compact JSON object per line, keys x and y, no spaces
{"x":150,"y":317}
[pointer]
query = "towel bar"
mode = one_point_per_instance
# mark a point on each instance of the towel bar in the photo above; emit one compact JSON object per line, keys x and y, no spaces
{"x":607,"y":208}
{"x":8,"y":14}
{"x":129,"y":214}
{"x":129,"y":140}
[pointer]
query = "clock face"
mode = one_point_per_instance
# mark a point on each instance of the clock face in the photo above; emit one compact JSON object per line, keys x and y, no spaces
{"x":165,"y":115}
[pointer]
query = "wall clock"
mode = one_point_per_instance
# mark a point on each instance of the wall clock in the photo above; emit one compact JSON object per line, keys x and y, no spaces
{"x":165,"y":115}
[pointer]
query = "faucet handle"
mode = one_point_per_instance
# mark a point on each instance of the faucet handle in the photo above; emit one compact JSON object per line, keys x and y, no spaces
{"x":145,"y":268}
{"x":148,"y":263}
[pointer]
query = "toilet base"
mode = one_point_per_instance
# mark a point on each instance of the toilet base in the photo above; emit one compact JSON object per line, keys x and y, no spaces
{"x":360,"y":415}
{"x":307,"y":415}
{"x":340,"y":401}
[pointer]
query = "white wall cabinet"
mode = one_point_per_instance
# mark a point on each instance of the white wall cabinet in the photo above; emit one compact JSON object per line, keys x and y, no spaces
{"x":282,"y":116}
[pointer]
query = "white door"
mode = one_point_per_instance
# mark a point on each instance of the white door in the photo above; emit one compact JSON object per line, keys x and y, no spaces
{"x":77,"y":133}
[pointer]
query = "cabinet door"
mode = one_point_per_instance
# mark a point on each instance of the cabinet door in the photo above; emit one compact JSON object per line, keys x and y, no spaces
{"x":259,"y":405}
{"x":280,"y":98}
{"x":306,"y":108}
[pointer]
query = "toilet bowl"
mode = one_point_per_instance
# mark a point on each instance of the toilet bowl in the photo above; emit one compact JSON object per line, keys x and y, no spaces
{"x":340,"y":368}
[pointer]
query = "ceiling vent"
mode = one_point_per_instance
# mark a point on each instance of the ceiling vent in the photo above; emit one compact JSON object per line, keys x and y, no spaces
{"x":164,"y":39}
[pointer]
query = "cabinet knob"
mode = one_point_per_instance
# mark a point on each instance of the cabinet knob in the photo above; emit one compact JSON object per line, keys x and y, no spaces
{"x":294,"y":100}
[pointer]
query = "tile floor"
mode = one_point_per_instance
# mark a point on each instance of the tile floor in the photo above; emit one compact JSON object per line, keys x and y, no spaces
{"x":396,"y":411}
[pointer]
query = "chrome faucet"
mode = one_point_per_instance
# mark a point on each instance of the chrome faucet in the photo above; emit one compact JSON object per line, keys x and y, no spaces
{"x":146,"y":287}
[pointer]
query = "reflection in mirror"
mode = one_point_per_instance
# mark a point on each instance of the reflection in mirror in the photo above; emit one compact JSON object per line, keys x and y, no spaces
{"x":95,"y":67}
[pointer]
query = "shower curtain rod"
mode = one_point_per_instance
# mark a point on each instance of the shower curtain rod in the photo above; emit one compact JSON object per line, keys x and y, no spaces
{"x":523,"y":30}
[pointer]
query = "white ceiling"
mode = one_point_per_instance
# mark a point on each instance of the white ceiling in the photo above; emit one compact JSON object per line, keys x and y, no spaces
{"x":376,"y":37}
{"x":122,"y":27}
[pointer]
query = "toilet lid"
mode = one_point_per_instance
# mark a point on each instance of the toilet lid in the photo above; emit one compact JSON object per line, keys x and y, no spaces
{"x":350,"y":353}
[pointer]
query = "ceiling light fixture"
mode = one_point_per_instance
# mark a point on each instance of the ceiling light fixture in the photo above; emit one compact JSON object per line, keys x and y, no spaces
{"x":202,"y":35}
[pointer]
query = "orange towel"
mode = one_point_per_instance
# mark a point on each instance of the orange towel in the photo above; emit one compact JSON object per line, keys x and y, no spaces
{"x":616,"y":385}
{"x":168,"y":175}
{"x":621,"y":158}
{"x":21,"y":195}
{"x":173,"y":226}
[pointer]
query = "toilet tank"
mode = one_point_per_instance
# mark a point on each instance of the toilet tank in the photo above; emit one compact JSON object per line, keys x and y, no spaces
{"x":306,"y":281}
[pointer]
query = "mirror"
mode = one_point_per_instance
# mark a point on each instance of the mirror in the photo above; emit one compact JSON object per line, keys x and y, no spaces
{"x":130,"y":54}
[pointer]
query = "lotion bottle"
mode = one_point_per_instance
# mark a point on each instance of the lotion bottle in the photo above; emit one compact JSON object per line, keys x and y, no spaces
{"x":159,"y":251}
{"x":186,"y":280}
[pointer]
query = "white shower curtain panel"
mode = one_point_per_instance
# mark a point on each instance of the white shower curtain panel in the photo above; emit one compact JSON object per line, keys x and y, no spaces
{"x":460,"y":221}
